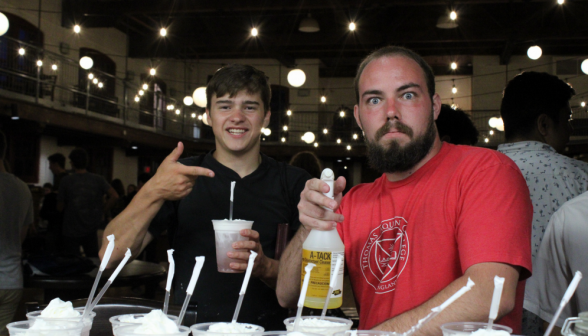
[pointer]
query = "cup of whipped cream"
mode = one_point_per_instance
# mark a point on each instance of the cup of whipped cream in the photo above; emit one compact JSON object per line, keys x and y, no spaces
{"x":58,"y":310}
{"x":227,"y":232}
{"x":154,"y":323}
{"x":328,"y":326}
{"x":474,"y":329}
{"x":45,"y":327}
{"x":225,"y":328}
{"x":366,"y":333}
{"x":131,"y":319}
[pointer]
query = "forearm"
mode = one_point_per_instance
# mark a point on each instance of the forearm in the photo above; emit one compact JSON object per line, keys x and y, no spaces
{"x":288,"y":286}
{"x":472,"y":306}
{"x":130,"y":226}
{"x":270,"y":274}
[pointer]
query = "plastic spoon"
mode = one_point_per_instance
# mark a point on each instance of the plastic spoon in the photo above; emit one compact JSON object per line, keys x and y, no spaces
{"x":567,"y":296}
{"x":170,"y":277}
{"x":244,"y":286}
{"x":190,"y":289}
{"x":103,"y":264}
{"x":498,"y":284}
{"x":110,"y":280}
{"x":334,"y":277}
{"x":231,"y":209}
{"x":307,"y":269}
{"x":435,"y":311}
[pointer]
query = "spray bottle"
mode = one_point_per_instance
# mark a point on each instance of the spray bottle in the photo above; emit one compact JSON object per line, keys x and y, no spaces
{"x":321,"y":248}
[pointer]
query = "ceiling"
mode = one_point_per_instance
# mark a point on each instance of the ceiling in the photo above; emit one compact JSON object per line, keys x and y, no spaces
{"x":218,"y":29}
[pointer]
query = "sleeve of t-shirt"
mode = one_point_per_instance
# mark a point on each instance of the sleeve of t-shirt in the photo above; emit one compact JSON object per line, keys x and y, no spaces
{"x":297,"y":181}
{"x":494,"y":217}
{"x":164,"y":219}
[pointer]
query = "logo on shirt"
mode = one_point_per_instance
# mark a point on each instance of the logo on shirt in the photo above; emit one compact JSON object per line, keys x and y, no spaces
{"x":384,"y":254}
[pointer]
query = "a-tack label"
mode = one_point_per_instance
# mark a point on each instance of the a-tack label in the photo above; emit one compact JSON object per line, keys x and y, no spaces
{"x":320,"y":276}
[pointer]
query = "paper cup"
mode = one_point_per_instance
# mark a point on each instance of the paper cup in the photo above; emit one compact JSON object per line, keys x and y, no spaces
{"x":226,"y":232}
{"x":129,"y":330}
{"x":130,"y":319}
{"x":201,"y":329}
{"x":467,"y":328}
{"x":329,"y":329}
{"x":53,"y":328}
{"x":33,"y":316}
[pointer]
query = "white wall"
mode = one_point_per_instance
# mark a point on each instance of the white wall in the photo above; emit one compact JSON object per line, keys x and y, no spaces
{"x":124,"y":167}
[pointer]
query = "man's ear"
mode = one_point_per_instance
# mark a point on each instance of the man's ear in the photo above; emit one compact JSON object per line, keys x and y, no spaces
{"x":266,"y":119}
{"x":208,"y":118}
{"x":544,"y":124}
{"x":436,"y":105}
{"x":356,"y":115}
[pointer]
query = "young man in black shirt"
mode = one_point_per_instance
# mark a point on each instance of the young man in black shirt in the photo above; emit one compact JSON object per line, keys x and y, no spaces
{"x":185,"y":195}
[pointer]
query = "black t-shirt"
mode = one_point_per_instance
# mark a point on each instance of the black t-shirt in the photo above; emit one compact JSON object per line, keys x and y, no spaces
{"x":261,"y":197}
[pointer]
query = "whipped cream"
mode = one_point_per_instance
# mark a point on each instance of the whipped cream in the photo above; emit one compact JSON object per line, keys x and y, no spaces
{"x":157,"y":323}
{"x":232,"y":328}
{"x":318,"y":326}
{"x":58,"y":308}
{"x":131,"y":319}
{"x":486,"y":332}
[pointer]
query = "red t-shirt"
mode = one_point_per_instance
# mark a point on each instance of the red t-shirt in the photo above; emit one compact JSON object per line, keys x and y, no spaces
{"x":405,"y":241}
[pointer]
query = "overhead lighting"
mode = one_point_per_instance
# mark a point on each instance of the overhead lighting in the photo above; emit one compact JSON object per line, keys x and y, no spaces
{"x":199,"y":96}
{"x":352,"y":26}
{"x":296,"y":77}
{"x":152,"y":71}
{"x":54,"y":67}
{"x":348,"y":147}
{"x":316,"y":144}
{"x":584,"y":66}
{"x":289,"y":113}
{"x":178,"y":111}
{"x":325,"y":131}
{"x":323,"y":99}
{"x":39,"y":63}
{"x":254,"y":32}
{"x":86,"y":62}
{"x":308,"y":137}
{"x":285,"y":128}
{"x":560,"y":2}
{"x":342,"y":114}
{"x":338,"y":141}
{"x":4,"y":24}
{"x":486,"y":140}
{"x":491,"y":132}
{"x":193,"y":115}
{"x":309,"y":25}
{"x":134,"y":147}
{"x":283,"y":139}
{"x":454,"y":89}
{"x":583,"y":104}
{"x":163,"y":32}
{"x":21,"y":51}
{"x":200,"y":117}
{"x":452,"y":15}
{"x":534,"y":52}
{"x":355,"y":136}
{"x":445,"y":22}
{"x":137,"y":99}
{"x":345,"y":167}
{"x":145,"y":86}
{"x":95,"y":80}
{"x":266,"y":131}
{"x":453,"y":66}
{"x":100,"y":85}
{"x":188,"y":101}
{"x":91,"y":76}
{"x":141,"y":92}
{"x":77,"y":29}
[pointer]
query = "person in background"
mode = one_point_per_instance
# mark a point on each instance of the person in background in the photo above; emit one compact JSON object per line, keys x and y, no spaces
{"x":120,"y":204}
{"x":439,"y":215}
{"x":131,"y":189}
{"x":57,"y":167}
{"x":309,"y":162}
{"x":54,"y":218}
{"x":80,"y":198}
{"x":16,"y":214}
{"x":456,"y":127}
{"x":536,"y":113}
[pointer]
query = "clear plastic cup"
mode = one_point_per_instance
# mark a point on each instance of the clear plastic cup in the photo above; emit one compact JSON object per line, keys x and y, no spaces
{"x":467,"y":328}
{"x":53,"y":328}
{"x":129,"y":330}
{"x":367,"y":333}
{"x":33,"y":316}
{"x":201,"y":329}
{"x":133,"y":319}
{"x":327,"y":330}
{"x":226,"y":232}
{"x":283,"y":333}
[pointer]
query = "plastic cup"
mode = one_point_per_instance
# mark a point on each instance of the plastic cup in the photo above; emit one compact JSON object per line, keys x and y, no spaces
{"x":226,"y":232}
{"x":201,"y":329}
{"x":53,"y":328}
{"x":328,"y":330}
{"x":129,"y":330}
{"x":467,"y":328}
{"x":367,"y":333}
{"x":33,"y":316}
{"x":116,"y":320}
{"x":283,"y":333}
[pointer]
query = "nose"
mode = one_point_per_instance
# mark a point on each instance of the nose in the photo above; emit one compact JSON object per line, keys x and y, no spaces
{"x":392,"y":110}
{"x":238,"y":114}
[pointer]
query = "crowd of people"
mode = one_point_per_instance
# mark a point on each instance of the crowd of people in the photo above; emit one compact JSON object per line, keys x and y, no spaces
{"x":442,"y":212}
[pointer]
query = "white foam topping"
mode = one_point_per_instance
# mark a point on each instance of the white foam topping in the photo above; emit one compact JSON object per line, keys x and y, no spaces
{"x":131,"y":319}
{"x":157,"y":323}
{"x":231,"y":328}
{"x":58,"y":308}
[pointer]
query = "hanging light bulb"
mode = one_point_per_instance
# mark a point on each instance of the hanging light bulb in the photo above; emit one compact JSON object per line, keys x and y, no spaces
{"x":86,"y":62}
{"x":137,"y":99}
{"x":289,"y":113}
{"x":95,"y":80}
{"x":583,"y":104}
{"x":163,"y":32}
{"x":254,"y":32}
{"x":453,"y":15}
{"x":283,"y":139}
{"x":4,"y":24}
{"x":296,"y":77}
{"x":560,"y":2}
{"x":21,"y":51}
{"x":188,"y":101}
{"x":77,"y":29}
{"x":199,"y":96}
{"x":454,"y":90}
{"x":39,"y":63}
{"x":325,"y":131}
{"x":141,"y":92}
{"x":54,"y":67}
{"x":348,"y":147}
{"x":453,"y":65}
{"x":352,"y":26}
{"x":491,"y":132}
{"x":338,"y":141}
{"x":584,"y":66}
{"x":486,"y":140}
{"x":308,"y":137}
{"x":178,"y":111}
{"x":91,"y":76}
{"x":323,"y":99}
{"x":355,"y":136}
{"x":193,"y":115}
{"x":342,"y":114}
{"x":100,"y":85}
{"x":534,"y":52}
{"x":200,"y":117}
{"x":145,"y":86}
{"x":285,"y":127}
{"x":152,"y":71}
{"x":316,"y":144}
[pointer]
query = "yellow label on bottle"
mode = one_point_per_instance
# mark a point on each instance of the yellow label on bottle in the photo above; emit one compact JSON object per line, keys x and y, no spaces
{"x":320,"y":276}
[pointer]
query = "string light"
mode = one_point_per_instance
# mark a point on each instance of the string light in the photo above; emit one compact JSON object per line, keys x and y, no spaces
{"x":188,"y":101}
{"x":584,"y":66}
{"x":352,"y":26}
{"x":534,"y":52}
{"x":316,"y":144}
{"x":100,"y":85}
{"x":21,"y":51}
{"x":141,"y":92}
{"x":453,"y":89}
{"x":348,"y":147}
{"x":289,"y":113}
{"x":39,"y":63}
{"x":323,"y":99}
{"x":355,"y":136}
{"x":453,"y":15}
{"x":200,"y":117}
{"x":95,"y":80}
{"x":344,"y":167}
{"x":325,"y":131}
{"x":283,"y":139}
{"x":152,"y":72}
{"x":77,"y":29}
{"x":338,"y":141}
{"x":145,"y":86}
{"x":453,"y":65}
{"x":254,"y":32}
{"x":91,"y":76}
{"x":342,"y":114}
{"x":285,"y":127}
{"x":54,"y":67}
{"x":583,"y":104}
{"x":137,"y":99}
{"x":193,"y":115}
{"x":491,"y":132}
{"x":486,"y":140}
{"x":163,"y":32}
{"x":177,"y":111}
{"x":560,"y":2}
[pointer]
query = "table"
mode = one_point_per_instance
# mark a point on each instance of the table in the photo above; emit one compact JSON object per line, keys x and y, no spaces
{"x":135,"y":273}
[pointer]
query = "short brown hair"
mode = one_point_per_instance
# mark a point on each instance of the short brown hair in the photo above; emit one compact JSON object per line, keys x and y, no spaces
{"x":390,"y":51}
{"x":233,"y":78}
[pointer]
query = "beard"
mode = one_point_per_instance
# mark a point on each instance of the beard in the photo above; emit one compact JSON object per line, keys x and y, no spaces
{"x":397,"y":158}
